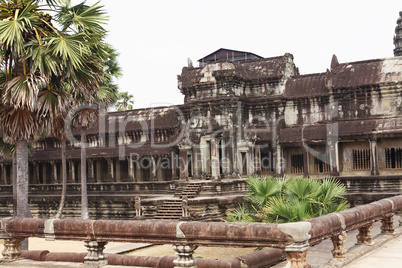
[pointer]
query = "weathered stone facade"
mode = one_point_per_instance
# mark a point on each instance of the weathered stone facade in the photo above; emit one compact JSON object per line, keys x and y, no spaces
{"x":245,"y":115}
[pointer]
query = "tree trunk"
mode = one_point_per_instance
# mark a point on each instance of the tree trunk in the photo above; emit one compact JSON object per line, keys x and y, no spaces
{"x":21,"y":152}
{"x":14,"y":166}
{"x":84,"y":193}
{"x":21,"y":178}
{"x":64,"y":179}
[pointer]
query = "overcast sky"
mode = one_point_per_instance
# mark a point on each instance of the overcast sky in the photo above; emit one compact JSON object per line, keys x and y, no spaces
{"x":155,"y":38}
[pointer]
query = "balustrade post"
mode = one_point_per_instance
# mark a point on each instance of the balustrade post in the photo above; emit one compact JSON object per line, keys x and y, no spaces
{"x":185,"y":256}
{"x":12,"y":251}
{"x":95,"y":256}
{"x":365,"y":237}
{"x":387,"y":221}
{"x":400,"y":217}
{"x":338,"y":241}
{"x":297,"y":252}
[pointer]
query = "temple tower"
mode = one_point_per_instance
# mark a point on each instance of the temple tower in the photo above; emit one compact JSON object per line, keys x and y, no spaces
{"x":398,"y":36}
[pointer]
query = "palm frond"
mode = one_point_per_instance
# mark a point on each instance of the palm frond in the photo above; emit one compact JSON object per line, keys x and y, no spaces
{"x":70,"y":48}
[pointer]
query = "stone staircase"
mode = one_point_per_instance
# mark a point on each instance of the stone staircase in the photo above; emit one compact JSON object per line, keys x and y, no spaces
{"x":190,"y":190}
{"x":171,"y":208}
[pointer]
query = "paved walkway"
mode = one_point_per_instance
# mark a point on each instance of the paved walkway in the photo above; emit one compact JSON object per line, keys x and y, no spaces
{"x":389,"y":255}
{"x":386,"y":247}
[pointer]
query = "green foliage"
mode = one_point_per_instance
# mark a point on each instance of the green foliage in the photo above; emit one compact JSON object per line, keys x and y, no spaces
{"x":290,"y":199}
{"x":124,"y":102}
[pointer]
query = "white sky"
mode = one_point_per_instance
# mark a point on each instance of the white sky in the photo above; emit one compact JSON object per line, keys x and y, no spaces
{"x":155,"y":37}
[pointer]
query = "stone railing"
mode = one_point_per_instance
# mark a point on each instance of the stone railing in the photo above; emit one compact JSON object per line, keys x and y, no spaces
{"x":294,"y":238}
{"x":156,"y":187}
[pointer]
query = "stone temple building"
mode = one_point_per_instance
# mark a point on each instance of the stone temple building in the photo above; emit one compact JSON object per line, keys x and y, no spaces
{"x":243,"y":115}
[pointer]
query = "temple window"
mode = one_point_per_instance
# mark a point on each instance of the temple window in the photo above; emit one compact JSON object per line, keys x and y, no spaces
{"x":297,"y":163}
{"x":321,"y":164}
{"x":361,"y":159}
{"x":393,"y":158}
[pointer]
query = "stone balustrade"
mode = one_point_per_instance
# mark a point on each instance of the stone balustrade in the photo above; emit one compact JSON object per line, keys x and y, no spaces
{"x":294,"y":238}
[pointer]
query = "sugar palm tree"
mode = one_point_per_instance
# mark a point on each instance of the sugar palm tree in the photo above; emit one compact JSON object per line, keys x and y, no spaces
{"x":39,"y":61}
{"x":106,"y":95}
{"x":125,"y":101}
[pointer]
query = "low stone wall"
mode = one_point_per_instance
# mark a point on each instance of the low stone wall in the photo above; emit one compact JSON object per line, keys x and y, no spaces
{"x":292,"y":238}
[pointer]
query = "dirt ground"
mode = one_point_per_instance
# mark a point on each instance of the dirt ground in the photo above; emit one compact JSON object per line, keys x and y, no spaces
{"x":201,"y":252}
{"x":155,"y":251}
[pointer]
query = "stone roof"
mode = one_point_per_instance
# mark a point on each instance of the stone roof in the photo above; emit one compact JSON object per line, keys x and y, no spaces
{"x":343,"y":130}
{"x":367,"y":73}
{"x":263,"y":69}
{"x":140,"y":119}
{"x":306,"y":86}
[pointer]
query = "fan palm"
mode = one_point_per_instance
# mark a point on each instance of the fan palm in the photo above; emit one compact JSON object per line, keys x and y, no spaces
{"x":39,"y":61}
{"x":125,"y":102}
{"x":262,"y":189}
{"x":289,"y":200}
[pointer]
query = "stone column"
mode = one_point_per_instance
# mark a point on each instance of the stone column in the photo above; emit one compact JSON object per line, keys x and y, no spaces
{"x":2,"y":178}
{"x":297,"y":252}
{"x":197,"y":166}
{"x":118,"y":173}
{"x":35,"y":175}
{"x":153,"y":169}
{"x":306,"y":166}
{"x":95,"y":256}
{"x":90,"y":165}
{"x":173,"y":159}
{"x":334,"y":157}
{"x":279,"y":161}
{"x":71,"y":169}
{"x":45,"y":179}
{"x":98,"y":171}
{"x":53,"y":172}
{"x":159,"y":171}
{"x":185,"y":256}
{"x":183,"y":162}
{"x":257,"y":160}
{"x":138,"y":174}
{"x":110,"y":170}
{"x":374,"y":157}
{"x":131,"y":171}
{"x":215,"y":165}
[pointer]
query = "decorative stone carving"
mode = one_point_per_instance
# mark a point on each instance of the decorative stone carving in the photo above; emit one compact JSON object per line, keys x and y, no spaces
{"x":185,"y":256}
{"x":95,"y":256}
{"x":387,"y":226}
{"x":338,"y":241}
{"x":400,"y":217}
{"x":137,"y":205}
{"x":12,"y":249}
{"x":297,"y":259}
{"x":184,"y":207}
{"x":365,"y":236}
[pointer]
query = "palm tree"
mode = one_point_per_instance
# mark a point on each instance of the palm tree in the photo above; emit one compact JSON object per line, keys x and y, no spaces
{"x":290,"y":199}
{"x":106,"y":95}
{"x":125,"y":101}
{"x":39,"y":62}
